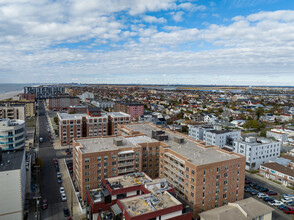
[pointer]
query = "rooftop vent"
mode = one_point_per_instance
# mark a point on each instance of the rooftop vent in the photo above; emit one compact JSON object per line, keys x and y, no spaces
{"x":117,"y":141}
{"x":179,"y":140}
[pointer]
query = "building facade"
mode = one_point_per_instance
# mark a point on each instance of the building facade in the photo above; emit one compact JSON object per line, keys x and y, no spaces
{"x":135,"y":110}
{"x":13,"y":112}
{"x":60,"y":103}
{"x":116,"y":118}
{"x":44,"y":92}
{"x":279,"y":136}
{"x":103,"y":104}
{"x":30,"y":106}
{"x":13,"y":185}
{"x":257,"y":152}
{"x":12,"y":134}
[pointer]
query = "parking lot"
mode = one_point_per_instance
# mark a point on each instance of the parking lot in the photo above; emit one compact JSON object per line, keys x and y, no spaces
{"x":256,"y":186}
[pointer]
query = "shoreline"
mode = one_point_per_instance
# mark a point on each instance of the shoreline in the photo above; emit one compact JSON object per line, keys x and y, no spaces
{"x":9,"y":95}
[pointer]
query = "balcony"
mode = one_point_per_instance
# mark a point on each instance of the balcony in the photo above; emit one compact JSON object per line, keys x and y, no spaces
{"x":174,"y":171}
{"x":125,"y":164}
{"x":120,"y":171}
{"x":121,"y":158}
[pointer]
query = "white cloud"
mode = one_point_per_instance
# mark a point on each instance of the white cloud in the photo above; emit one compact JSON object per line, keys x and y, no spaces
{"x":152,"y":19}
{"x":178,"y":16}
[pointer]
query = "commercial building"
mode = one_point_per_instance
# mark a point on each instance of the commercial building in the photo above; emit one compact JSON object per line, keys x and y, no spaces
{"x":62,"y":102}
{"x":204,"y":176}
{"x":94,"y":123}
{"x":242,"y":210}
{"x":13,"y":112}
{"x":13,"y":184}
{"x":277,"y":172}
{"x":30,"y":106}
{"x":256,"y":151}
{"x":12,"y":134}
{"x":214,"y":135}
{"x":134,"y":196}
{"x":44,"y":92}
{"x":135,"y":110}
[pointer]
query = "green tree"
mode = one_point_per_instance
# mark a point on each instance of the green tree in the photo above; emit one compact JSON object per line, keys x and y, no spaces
{"x":56,"y":120}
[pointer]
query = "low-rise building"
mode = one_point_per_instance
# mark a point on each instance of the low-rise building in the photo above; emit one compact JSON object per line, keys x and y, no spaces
{"x":279,"y":136}
{"x":13,"y":184}
{"x":12,"y":134}
{"x":257,"y":152}
{"x":242,"y":210}
{"x":86,"y":96}
{"x":277,"y":172}
{"x":103,"y":104}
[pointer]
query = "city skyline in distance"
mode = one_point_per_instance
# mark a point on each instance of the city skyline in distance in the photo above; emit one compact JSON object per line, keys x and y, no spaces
{"x":148,"y":42}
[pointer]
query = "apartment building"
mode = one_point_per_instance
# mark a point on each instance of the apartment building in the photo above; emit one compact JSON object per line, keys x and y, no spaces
{"x":13,"y":112}
{"x":30,"y":106}
{"x":135,"y":110}
{"x":214,"y":135}
{"x":256,"y":151}
{"x":103,"y":104}
{"x":204,"y":176}
{"x":116,"y":118}
{"x":86,"y":96}
{"x":13,"y":184}
{"x":279,"y":136}
{"x":28,"y":97}
{"x":95,"y":159}
{"x":93,"y":123}
{"x":62,"y":102}
{"x":44,"y":91}
{"x":12,"y":134}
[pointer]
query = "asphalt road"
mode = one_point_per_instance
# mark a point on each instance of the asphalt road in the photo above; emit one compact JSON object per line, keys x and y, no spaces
{"x":49,"y":185}
{"x":277,"y":214}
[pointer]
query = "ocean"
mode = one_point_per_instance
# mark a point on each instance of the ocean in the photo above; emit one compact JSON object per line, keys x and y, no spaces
{"x":10,"y":87}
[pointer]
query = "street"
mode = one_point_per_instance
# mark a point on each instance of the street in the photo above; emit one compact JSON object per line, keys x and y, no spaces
{"x":49,"y":186}
{"x":277,"y":214}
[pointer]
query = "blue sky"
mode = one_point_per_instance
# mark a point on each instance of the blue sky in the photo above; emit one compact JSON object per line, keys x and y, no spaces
{"x":229,"y":42}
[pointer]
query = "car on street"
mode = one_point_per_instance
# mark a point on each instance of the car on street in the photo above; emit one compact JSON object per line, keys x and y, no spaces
{"x":271,"y":193}
{"x":253,"y":192}
{"x":263,"y":189}
{"x":44,"y":204}
{"x":275,"y":203}
{"x":41,"y":139}
{"x":261,"y":195}
{"x":61,"y":190}
{"x":58,"y":175}
{"x":66,"y":212}
{"x":63,"y":197}
{"x":59,"y":180}
{"x":288,"y":210}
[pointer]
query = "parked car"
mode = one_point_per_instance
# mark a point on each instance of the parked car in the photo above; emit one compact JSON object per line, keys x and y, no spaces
{"x":57,"y":168}
{"x":261,"y":195}
{"x":291,"y":203}
{"x":66,"y":212}
{"x":252,"y":184}
{"x":267,"y":199}
{"x":285,"y":200}
{"x":253,"y":192}
{"x":271,"y":193}
{"x":275,"y":202}
{"x":290,"y":196}
{"x":263,"y":189}
{"x":247,"y":181}
{"x":58,"y":175}
{"x":59,"y":180}
{"x":61,"y":190}
{"x":44,"y":204}
{"x":288,"y":210}
{"x":63,"y":197}
{"x":281,"y":207}
{"x":247,"y":189}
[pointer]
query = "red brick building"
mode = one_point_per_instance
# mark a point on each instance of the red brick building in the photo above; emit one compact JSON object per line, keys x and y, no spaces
{"x":61,"y":103}
{"x":135,"y":110}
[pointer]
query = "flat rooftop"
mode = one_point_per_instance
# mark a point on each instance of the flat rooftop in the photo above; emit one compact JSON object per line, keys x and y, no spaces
{"x":92,"y":145}
{"x":66,"y":116}
{"x":190,"y":149}
{"x":11,"y":160}
{"x":147,"y":203}
{"x":118,"y":114}
{"x":129,"y":180}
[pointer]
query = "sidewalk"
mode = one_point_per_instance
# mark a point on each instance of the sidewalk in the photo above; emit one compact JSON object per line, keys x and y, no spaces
{"x":70,"y":193}
{"x":255,"y":176}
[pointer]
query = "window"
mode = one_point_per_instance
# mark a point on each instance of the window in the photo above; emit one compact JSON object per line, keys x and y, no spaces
{"x":87,"y":180}
{"x":187,"y":168}
{"x":192,"y":180}
{"x":98,"y":158}
{"x":105,"y":164}
{"x":218,"y":169}
{"x":87,"y":167}
{"x":105,"y":157}
{"x":87,"y":160}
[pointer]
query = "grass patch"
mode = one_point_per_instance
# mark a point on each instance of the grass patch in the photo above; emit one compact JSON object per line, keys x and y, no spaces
{"x":252,"y":171}
{"x":290,"y":187}
{"x":31,"y":122}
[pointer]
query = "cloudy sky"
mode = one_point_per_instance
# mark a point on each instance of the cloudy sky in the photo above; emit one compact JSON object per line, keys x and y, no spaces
{"x":244,"y":42}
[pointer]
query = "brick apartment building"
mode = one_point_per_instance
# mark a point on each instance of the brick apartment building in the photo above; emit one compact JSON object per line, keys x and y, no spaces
{"x":93,"y":123}
{"x":204,"y":176}
{"x":134,"y":196}
{"x":135,"y":110}
{"x":61,"y":103}
{"x":26,"y":96}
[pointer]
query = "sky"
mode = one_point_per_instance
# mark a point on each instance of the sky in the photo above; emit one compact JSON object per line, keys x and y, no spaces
{"x":223,"y":42}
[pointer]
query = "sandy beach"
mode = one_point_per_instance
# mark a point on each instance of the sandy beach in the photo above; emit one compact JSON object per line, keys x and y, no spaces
{"x":8,"y":95}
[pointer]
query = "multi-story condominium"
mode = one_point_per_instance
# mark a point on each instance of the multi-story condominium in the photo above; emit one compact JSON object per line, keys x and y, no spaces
{"x":249,"y":208}
{"x":279,"y":136}
{"x":13,"y":112}
{"x":86,"y":95}
{"x":12,"y":134}
{"x":44,"y":92}
{"x":257,"y":152}
{"x":214,"y":135}
{"x":116,"y":118}
{"x":93,"y":123}
{"x":135,"y":110}
{"x":204,"y":176}
{"x":28,"y":97}
{"x":13,"y":184}
{"x":62,"y":102}
{"x":278,"y":173}
{"x":143,"y":198}
{"x":103,"y":104}
{"x":97,"y":158}
{"x":30,"y":106}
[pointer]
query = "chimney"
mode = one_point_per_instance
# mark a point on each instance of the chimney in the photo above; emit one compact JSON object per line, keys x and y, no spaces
{"x":0,"y":154}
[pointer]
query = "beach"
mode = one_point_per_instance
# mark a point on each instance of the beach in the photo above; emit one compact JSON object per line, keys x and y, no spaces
{"x":8,"y":95}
